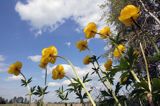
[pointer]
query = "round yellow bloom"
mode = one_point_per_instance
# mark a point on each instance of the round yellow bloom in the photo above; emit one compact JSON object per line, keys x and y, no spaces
{"x":87,"y":60}
{"x":15,"y":68}
{"x":119,"y":50}
{"x":104,"y":33}
{"x":90,"y":30}
{"x":108,"y":65}
{"x":58,"y":72}
{"x":43,"y":62}
{"x":128,"y":12}
{"x":50,"y":54}
{"x":82,"y":45}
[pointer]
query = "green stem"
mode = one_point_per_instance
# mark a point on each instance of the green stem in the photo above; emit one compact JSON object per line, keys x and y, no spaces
{"x":113,"y":94}
{"x":75,"y":72}
{"x":116,"y":99}
{"x":146,"y":66}
{"x":45,"y":83}
{"x":42,"y":103}
{"x":28,"y":87}
{"x":135,"y":76}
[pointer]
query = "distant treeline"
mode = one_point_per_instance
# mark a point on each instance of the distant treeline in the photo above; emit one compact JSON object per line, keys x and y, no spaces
{"x":13,"y":100}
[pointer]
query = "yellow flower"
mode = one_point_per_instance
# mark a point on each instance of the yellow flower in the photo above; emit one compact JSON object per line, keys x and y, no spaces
{"x":119,"y":50}
{"x":108,"y":64}
{"x":43,"y":62}
{"x":104,"y":33}
{"x":15,"y":68}
{"x":90,"y":30}
{"x":82,"y":45}
{"x":128,"y":12}
{"x":58,"y":72}
{"x":50,"y":54}
{"x":87,"y":60}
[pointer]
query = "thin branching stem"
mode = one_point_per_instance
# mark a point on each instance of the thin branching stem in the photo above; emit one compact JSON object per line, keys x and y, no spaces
{"x":135,"y":76}
{"x":108,"y":88}
{"x":149,"y":95}
{"x":146,"y":66}
{"x":45,"y":83}
{"x":29,"y":89}
{"x":83,"y":85}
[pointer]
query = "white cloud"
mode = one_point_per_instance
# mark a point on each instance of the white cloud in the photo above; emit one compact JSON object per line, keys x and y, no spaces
{"x":57,"y":84}
{"x":35,"y":58}
{"x":68,"y":44}
{"x":69,"y":72}
{"x":2,"y":58}
{"x":11,"y":78}
{"x":3,"y":65}
{"x":44,"y":14}
{"x":53,"y":84}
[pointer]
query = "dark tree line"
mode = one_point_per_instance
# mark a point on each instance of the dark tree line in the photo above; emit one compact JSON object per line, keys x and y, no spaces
{"x":13,"y":100}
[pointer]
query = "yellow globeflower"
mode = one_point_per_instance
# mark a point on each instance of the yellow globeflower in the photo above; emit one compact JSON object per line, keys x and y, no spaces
{"x":119,"y":50}
{"x":108,"y":65}
{"x":104,"y":33}
{"x":54,"y":74}
{"x":82,"y":45}
{"x":58,"y":72}
{"x":90,"y":30}
{"x":87,"y":60}
{"x":128,"y":13}
{"x":43,"y":62}
{"x":15,"y":68}
{"x":50,"y":54}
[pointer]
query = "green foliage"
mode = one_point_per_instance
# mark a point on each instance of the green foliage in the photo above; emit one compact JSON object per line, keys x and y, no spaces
{"x":26,"y":82}
{"x":76,"y":87}
{"x":40,"y":91}
{"x":61,"y":94}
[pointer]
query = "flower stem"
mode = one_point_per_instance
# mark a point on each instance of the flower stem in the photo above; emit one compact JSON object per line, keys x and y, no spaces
{"x":135,"y":76}
{"x":108,"y":88}
{"x":28,"y":87}
{"x":45,"y":83}
{"x":146,"y":64}
{"x":75,"y":72}
{"x":149,"y":95}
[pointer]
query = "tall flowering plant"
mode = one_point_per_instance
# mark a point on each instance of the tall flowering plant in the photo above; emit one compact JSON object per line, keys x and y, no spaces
{"x":136,"y":84}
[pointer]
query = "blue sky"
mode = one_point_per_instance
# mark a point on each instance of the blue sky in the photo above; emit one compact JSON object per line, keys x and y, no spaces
{"x":28,"y":26}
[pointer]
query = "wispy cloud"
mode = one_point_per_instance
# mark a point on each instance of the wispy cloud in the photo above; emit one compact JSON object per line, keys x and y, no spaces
{"x":35,"y":58}
{"x":3,"y":65}
{"x":57,"y":84}
{"x":13,"y":78}
{"x":69,"y":72}
{"x":46,"y":15}
{"x":2,"y":58}
{"x":68,"y":44}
